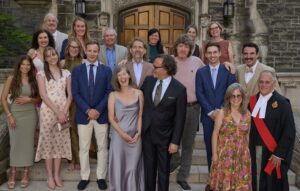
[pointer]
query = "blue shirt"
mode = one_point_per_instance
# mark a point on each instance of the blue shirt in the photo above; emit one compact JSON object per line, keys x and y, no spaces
{"x":111,"y":58}
{"x":87,"y":64}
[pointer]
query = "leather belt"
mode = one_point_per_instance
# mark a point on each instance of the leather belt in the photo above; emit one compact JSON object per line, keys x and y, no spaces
{"x":191,"y":104}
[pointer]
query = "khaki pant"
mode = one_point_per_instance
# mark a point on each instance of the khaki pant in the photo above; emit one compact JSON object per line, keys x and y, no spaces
{"x":85,"y":135}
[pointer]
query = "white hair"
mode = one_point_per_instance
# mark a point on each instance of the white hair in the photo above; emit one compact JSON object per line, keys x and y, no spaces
{"x":50,"y":15}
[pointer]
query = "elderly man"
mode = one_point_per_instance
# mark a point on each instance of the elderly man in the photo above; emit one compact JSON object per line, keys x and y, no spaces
{"x":111,"y":53}
{"x":187,"y":66}
{"x":248,"y":73}
{"x":50,"y":24}
{"x":272,"y":136}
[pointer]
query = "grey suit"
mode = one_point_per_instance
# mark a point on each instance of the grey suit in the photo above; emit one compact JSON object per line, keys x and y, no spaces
{"x":146,"y":71}
{"x":60,"y":37}
{"x":121,"y":53}
{"x":251,"y":87}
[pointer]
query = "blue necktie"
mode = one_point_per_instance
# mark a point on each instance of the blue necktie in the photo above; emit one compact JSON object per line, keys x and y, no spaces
{"x":214,"y":76}
{"x":91,"y":83}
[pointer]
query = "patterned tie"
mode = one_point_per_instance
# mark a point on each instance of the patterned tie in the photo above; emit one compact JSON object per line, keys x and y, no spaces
{"x":249,"y":70}
{"x":214,"y":76}
{"x":91,"y":82}
{"x":158,"y":93}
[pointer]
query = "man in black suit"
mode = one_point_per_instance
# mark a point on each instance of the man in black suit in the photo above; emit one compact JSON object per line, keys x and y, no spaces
{"x":163,"y":121}
{"x":272,"y":136}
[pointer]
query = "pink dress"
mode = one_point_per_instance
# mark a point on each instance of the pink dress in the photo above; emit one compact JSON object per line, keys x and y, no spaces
{"x":52,"y":142}
{"x":232,"y":170}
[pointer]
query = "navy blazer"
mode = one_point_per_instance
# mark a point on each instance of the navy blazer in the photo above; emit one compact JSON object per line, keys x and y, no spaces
{"x":81,"y":96}
{"x":211,"y":98}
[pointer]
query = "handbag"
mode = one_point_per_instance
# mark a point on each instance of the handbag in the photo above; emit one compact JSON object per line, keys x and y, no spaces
{"x":63,"y":126}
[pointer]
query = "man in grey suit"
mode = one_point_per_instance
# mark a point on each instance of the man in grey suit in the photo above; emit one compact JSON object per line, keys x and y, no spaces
{"x":248,"y":73}
{"x":50,"y":24}
{"x":111,"y":53}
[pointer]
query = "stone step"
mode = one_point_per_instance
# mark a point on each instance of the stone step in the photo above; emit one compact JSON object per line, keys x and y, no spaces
{"x":198,"y":173}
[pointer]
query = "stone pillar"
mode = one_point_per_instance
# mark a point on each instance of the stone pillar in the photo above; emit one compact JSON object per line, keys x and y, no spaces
{"x":205,"y":19}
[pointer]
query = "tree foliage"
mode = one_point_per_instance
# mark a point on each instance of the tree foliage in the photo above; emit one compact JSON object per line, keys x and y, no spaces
{"x":13,"y":41}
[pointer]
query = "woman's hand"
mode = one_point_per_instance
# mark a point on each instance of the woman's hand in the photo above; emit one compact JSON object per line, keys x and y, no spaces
{"x":62,"y":117}
{"x":23,"y":100}
{"x":11,"y":122}
{"x":214,"y":157}
{"x":135,"y":138}
{"x":126,"y":137}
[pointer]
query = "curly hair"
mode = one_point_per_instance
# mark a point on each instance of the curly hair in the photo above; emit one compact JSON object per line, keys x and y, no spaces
{"x":169,"y":63}
{"x":186,"y":40}
{"x":15,"y":88}
{"x":35,"y":43}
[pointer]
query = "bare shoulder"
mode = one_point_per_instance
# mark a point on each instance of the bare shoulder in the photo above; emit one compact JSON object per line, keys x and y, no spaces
{"x":31,"y":52}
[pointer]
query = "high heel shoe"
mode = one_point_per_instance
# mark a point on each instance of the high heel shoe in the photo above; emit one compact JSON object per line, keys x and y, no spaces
{"x":25,"y":179}
{"x":11,"y":183}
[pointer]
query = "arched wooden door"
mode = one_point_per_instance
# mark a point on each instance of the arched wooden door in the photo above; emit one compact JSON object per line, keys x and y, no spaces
{"x":136,"y":21}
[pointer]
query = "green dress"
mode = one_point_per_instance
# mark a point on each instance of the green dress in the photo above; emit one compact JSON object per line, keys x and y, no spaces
{"x":22,"y":137}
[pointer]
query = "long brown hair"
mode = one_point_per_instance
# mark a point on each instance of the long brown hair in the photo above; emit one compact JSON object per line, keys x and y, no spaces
{"x":48,"y":73}
{"x":229,"y":91}
{"x":69,"y":61}
{"x":16,"y":85}
{"x":86,"y":36}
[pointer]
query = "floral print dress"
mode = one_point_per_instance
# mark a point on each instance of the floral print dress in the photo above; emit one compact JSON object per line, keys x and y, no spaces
{"x":232,"y":170}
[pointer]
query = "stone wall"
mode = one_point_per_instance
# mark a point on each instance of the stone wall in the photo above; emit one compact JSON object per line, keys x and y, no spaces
{"x":282,"y":18}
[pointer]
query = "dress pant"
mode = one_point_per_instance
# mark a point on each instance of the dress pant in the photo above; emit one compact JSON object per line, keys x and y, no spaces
{"x":156,"y":162}
{"x":85,"y":134}
{"x":187,"y":143}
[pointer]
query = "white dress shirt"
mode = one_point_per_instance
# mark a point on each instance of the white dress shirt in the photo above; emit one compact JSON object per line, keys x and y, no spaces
{"x":249,"y":75}
{"x":165,"y":84}
{"x":261,"y":106}
{"x":87,"y":64}
{"x":137,"y":68}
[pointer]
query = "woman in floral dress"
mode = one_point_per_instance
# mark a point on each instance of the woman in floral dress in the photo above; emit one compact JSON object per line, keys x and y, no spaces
{"x":55,"y":90}
{"x":231,"y":166}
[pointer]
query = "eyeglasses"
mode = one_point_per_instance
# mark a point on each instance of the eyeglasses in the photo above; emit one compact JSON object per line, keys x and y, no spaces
{"x":238,"y":96}
{"x":156,"y":67}
{"x":213,"y":28}
{"x":75,"y":47}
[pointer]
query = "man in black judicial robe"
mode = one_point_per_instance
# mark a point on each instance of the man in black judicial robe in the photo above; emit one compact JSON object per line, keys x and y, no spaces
{"x":280,"y":122}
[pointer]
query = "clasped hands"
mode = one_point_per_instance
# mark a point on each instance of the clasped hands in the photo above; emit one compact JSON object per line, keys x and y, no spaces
{"x":23,"y":100}
{"x":276,"y":161}
{"x":129,"y":139}
{"x":93,"y":114}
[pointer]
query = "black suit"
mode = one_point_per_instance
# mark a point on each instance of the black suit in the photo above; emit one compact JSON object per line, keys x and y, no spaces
{"x":280,"y":122}
{"x":162,"y":124}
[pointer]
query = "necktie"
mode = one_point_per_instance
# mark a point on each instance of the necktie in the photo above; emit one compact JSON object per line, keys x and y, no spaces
{"x":214,"y":76}
{"x":249,"y":70}
{"x":91,"y":82}
{"x":158,"y":93}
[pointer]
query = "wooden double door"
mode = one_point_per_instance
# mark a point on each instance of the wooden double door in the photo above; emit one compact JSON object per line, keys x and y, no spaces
{"x":170,"y":21}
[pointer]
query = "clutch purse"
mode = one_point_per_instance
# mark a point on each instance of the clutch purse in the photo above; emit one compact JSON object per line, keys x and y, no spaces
{"x":63,"y":126}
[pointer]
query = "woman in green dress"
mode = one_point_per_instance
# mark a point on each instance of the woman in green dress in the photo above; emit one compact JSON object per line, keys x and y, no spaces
{"x":21,"y":117}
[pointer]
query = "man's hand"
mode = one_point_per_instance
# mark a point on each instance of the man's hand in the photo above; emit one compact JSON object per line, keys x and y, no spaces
{"x":93,"y":114}
{"x":276,"y":161}
{"x":230,"y":67}
{"x":173,"y":148}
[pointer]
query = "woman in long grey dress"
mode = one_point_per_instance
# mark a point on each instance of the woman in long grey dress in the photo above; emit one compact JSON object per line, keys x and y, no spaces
{"x":21,"y":118}
{"x":125,"y":108}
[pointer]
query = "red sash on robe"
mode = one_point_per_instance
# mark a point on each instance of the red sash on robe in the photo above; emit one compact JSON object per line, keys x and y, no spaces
{"x":267,"y":138}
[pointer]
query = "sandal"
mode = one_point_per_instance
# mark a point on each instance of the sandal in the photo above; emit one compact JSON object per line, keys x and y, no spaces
{"x":25,"y":179}
{"x":11,"y":183}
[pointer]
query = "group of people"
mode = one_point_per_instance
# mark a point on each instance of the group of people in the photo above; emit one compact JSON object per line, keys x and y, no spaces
{"x":150,"y":101}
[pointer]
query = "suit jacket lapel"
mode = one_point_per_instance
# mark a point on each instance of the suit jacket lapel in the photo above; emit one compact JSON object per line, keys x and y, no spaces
{"x":130,"y":68}
{"x":255,"y":77}
{"x":209,"y":77}
{"x":167,"y":92}
{"x":84,"y":74}
{"x":104,"y":55}
{"x":151,"y":91}
{"x":143,"y":74}
{"x":220,"y":76}
{"x":97,"y":79}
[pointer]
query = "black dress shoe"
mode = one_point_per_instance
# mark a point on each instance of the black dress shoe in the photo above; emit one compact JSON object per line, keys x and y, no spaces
{"x":102,"y":184}
{"x":183,"y":185}
{"x":82,"y":184}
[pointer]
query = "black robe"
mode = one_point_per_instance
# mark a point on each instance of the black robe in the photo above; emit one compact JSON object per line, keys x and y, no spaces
{"x":280,"y":122}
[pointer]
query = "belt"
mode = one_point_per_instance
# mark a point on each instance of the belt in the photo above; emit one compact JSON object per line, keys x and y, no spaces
{"x":191,"y":104}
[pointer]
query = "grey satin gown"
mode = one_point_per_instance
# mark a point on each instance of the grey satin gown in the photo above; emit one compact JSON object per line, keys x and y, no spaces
{"x":126,"y":169}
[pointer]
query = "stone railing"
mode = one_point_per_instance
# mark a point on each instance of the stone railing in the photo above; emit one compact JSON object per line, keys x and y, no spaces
{"x":4,"y":147}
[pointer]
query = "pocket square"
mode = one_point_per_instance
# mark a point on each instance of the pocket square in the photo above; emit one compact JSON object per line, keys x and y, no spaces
{"x":171,"y":97}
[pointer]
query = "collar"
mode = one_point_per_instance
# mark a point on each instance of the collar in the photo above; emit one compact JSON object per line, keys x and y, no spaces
{"x":54,"y":34}
{"x":87,"y":63}
{"x":261,"y":105}
{"x":216,"y":67}
{"x":110,"y":49}
{"x":134,"y":62}
{"x":254,"y":66}
{"x":166,"y":80}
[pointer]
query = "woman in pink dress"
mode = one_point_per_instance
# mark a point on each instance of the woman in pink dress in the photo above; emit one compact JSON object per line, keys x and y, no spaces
{"x":55,"y":90}
{"x":231,"y":162}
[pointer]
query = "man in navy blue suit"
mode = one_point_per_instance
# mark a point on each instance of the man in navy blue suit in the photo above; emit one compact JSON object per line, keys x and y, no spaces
{"x":91,"y":85}
{"x":211,"y":84}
